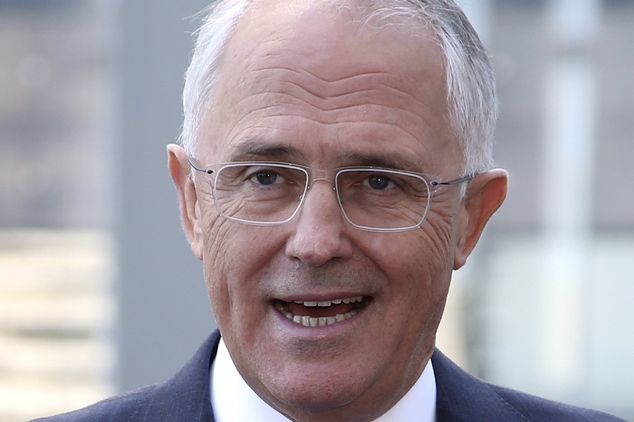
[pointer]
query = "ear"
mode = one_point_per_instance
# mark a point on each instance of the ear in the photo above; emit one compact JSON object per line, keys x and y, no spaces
{"x":178,"y":164}
{"x":484,"y":196}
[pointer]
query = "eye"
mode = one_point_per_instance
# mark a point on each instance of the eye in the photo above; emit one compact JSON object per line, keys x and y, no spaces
{"x":379,"y":181}
{"x":266,"y":177}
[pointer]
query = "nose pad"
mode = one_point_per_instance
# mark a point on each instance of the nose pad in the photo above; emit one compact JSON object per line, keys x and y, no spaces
{"x":322,"y":176}
{"x":322,"y":199}
{"x":325,"y":176}
{"x":323,"y":179}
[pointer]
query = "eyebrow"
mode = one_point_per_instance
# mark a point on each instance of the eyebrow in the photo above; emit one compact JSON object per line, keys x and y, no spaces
{"x":374,"y":160}
{"x":256,"y":149}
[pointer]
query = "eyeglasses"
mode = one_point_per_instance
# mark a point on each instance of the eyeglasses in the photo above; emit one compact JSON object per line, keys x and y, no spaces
{"x":370,"y":198}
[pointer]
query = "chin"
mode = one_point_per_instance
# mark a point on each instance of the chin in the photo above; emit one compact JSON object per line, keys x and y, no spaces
{"x":322,"y":394}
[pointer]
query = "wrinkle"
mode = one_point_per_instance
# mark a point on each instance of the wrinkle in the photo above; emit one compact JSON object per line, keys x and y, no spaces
{"x":329,"y":111}
{"x":322,"y":108}
{"x":331,"y":85}
{"x":325,"y":123}
{"x":322,"y":79}
{"x":355,"y":92}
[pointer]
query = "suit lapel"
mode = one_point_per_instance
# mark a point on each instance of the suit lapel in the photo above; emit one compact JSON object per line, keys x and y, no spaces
{"x":463,"y":397}
{"x":186,"y":396}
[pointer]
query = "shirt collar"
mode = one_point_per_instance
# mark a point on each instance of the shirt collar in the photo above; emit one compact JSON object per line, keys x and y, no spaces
{"x":233,"y":400}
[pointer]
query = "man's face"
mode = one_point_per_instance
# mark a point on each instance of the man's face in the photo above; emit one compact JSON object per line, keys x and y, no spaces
{"x":311,"y":88}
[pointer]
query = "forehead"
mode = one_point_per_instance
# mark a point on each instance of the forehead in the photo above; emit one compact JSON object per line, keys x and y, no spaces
{"x":331,"y":39}
{"x":295,"y":70}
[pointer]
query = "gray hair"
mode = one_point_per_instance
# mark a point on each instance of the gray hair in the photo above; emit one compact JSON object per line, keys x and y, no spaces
{"x":471,"y":93}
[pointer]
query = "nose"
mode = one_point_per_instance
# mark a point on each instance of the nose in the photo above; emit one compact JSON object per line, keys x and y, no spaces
{"x":319,"y":231}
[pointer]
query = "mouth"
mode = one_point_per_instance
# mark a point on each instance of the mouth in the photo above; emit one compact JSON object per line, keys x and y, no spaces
{"x":322,"y":313}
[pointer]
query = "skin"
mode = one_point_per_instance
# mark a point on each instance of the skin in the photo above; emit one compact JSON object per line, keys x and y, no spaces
{"x":302,"y":85}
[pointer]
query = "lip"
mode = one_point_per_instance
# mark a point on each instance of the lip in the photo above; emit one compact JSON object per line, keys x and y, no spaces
{"x":321,"y":297}
{"x":343,"y":315}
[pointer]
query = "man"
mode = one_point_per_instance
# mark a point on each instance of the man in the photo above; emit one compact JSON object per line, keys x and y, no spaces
{"x":335,"y":170}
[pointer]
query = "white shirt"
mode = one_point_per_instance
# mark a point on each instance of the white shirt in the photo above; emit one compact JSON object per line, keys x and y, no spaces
{"x":233,"y":400}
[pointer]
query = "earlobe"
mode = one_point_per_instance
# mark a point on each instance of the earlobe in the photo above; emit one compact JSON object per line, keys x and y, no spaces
{"x":485,"y":195}
{"x":178,"y":164}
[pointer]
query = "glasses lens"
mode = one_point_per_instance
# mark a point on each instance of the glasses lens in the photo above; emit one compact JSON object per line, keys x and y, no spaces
{"x":259,"y":193}
{"x":383,"y":199}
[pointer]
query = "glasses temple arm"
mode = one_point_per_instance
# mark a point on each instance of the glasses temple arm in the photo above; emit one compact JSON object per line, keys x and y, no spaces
{"x":453,"y":182}
{"x":192,"y":163}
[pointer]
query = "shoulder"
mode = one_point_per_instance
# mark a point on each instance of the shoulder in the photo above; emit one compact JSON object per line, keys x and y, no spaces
{"x":463,"y":397}
{"x":538,"y":409}
{"x":186,"y":396}
{"x":123,"y":407}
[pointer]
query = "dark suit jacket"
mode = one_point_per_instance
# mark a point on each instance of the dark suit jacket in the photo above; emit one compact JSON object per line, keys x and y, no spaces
{"x":461,"y":397}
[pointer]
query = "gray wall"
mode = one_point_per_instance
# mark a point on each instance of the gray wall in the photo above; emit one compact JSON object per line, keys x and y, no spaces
{"x":164,"y":312}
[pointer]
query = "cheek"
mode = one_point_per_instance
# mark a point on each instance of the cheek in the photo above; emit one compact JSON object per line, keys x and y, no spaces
{"x":418,"y":277}
{"x":419,"y":267}
{"x":438,"y":232}
{"x":417,"y":263}
{"x":434,"y":243}
{"x":234,"y":256}
{"x":437,"y":246}
{"x":219,"y":247}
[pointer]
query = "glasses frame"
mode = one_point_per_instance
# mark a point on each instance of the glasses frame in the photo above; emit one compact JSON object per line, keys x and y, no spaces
{"x":433,"y":183}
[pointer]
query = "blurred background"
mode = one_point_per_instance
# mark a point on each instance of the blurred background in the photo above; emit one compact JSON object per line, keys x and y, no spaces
{"x":99,"y":292}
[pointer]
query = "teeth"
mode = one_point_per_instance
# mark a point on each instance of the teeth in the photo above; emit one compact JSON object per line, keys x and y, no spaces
{"x":307,"y":321}
{"x":325,"y":303}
